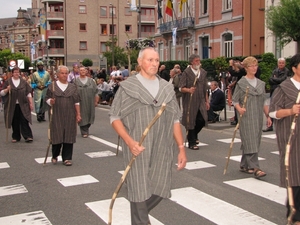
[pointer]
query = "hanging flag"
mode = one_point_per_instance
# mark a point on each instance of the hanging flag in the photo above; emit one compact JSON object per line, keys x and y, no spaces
{"x":181,"y":3}
{"x":43,"y":25}
{"x":174,"y":30}
{"x":133,"y":6}
{"x":169,"y":8}
{"x":159,"y":15}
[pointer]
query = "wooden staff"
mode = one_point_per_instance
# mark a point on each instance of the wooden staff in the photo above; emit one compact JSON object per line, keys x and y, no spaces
{"x":118,"y":145}
{"x":287,"y":168}
{"x":235,"y":130}
{"x":7,"y":111}
{"x":50,"y":127}
{"x":188,"y":111}
{"x":162,"y":108}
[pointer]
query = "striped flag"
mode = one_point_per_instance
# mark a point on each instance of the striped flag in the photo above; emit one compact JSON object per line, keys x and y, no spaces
{"x":181,"y":3}
{"x":169,"y":8}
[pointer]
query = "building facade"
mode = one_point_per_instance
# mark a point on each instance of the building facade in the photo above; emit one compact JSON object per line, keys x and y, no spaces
{"x":78,"y":29}
{"x":211,"y":28}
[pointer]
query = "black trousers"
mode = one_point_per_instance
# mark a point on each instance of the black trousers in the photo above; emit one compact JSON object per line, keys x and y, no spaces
{"x":296,"y":195}
{"x":193,"y":134}
{"x":66,"y":153}
{"x":20,"y":125}
{"x":140,"y":210}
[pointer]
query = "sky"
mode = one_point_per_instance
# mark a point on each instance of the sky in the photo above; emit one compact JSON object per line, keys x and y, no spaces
{"x":9,"y":8}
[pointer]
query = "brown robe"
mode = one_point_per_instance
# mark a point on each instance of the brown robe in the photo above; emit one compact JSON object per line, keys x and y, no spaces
{"x":198,"y":99}
{"x":64,"y":126}
{"x":17,"y":93}
{"x":284,"y":97}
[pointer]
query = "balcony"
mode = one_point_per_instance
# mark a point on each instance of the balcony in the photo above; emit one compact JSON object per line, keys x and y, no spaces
{"x":55,"y":34}
{"x":147,"y":34}
{"x":148,"y":19}
{"x":181,"y":24}
{"x":43,"y":1}
{"x":55,"y":16}
{"x":56,"y":52}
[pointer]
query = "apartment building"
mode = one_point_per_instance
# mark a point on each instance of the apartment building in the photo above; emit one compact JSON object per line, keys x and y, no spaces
{"x":211,"y":28}
{"x":78,"y":29}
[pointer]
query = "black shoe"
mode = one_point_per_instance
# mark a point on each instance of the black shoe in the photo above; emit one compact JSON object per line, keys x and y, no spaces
{"x":268,"y":129}
{"x":233,"y":123}
{"x":211,"y":121}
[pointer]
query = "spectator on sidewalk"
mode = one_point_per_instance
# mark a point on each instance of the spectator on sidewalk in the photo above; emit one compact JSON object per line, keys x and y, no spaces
{"x":217,"y":102}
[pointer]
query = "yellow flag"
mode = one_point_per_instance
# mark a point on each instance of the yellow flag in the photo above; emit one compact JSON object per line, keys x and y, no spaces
{"x":181,"y":3}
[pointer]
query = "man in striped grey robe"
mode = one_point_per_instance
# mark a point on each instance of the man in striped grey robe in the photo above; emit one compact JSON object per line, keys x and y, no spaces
{"x":283,"y":108}
{"x":64,"y":99}
{"x":137,"y":101}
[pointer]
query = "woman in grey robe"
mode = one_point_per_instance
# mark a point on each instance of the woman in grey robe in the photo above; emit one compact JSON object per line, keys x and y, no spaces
{"x":89,"y":98}
{"x":17,"y":106}
{"x":252,"y":116}
{"x":283,"y":108}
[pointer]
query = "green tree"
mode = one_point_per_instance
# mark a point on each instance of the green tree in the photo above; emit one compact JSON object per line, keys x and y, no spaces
{"x":87,"y":62}
{"x":120,"y":56}
{"x":6,"y":56}
{"x":283,"y":21}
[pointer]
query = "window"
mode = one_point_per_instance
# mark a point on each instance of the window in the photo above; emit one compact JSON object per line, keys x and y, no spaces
{"x":227,"y":5}
{"x":112,"y":11}
{"x":127,"y":11}
{"x":103,"y":28}
{"x":128,"y":28}
{"x":82,"y":45}
{"x":56,"y":43}
{"x":204,"y":7}
{"x":82,"y":9}
{"x":227,"y":45}
{"x":82,"y":27}
{"x":112,"y":31}
{"x":103,"y":47}
{"x":103,"y":11}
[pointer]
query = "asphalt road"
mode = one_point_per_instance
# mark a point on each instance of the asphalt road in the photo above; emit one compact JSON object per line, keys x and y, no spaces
{"x":31,"y":193}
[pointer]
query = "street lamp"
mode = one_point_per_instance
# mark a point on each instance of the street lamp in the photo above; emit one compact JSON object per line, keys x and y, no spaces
{"x":112,"y":35}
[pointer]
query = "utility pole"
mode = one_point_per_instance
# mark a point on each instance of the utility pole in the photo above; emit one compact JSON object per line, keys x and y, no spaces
{"x":112,"y":35}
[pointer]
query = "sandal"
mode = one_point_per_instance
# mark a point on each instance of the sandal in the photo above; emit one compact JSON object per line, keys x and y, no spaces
{"x":84,"y":135}
{"x":194,"y":147}
{"x":14,"y":140}
{"x":28,"y":140}
{"x":54,"y":160}
{"x":197,"y":141}
{"x":245,"y":170}
{"x":67,"y":163}
{"x":258,"y":173}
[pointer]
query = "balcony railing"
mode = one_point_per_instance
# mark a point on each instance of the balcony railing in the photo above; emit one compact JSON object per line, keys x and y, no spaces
{"x":55,"y":33}
{"x":51,"y":15}
{"x":183,"y":23}
{"x":56,"y":51}
{"x":147,"y":18}
{"x":147,"y":34}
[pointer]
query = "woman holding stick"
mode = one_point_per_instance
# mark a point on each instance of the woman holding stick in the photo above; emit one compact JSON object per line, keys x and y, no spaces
{"x":283,"y":109}
{"x":252,"y":122}
{"x":17,"y":109}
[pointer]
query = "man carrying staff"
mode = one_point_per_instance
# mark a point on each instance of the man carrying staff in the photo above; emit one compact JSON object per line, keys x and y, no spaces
{"x":194,"y":100}
{"x":137,"y":101}
{"x":283,"y":108}
{"x":64,"y":99}
{"x":39,"y":83}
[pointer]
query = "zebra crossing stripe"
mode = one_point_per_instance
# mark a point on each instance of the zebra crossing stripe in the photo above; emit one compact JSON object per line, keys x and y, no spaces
{"x":266,"y":190}
{"x":32,"y":218}
{"x":121,"y":211}
{"x":207,"y":206}
{"x":77,"y":180}
{"x":105,"y":142}
{"x":4,"y":165}
{"x":12,"y":190}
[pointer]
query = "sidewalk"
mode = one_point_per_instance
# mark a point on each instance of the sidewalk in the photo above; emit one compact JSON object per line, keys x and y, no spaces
{"x":225,"y":121}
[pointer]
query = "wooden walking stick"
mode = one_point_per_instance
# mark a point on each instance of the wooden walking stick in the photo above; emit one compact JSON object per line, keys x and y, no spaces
{"x":287,"y":167}
{"x":49,"y":128}
{"x":7,"y":111}
{"x":188,"y":112}
{"x":235,"y":130}
{"x":162,"y":108}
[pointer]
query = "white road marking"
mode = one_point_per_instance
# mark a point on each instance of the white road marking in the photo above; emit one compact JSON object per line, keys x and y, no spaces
{"x":271,"y":136}
{"x":32,"y":218}
{"x":12,"y":190}
{"x":77,"y":180}
{"x":229,"y":140}
{"x":100,"y":154}
{"x":120,"y":214}
{"x":4,"y":165}
{"x":105,"y":142}
{"x":260,"y":188}
{"x":41,"y":160}
{"x":207,"y":206}
{"x":198,"y":165}
{"x":239,"y":157}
